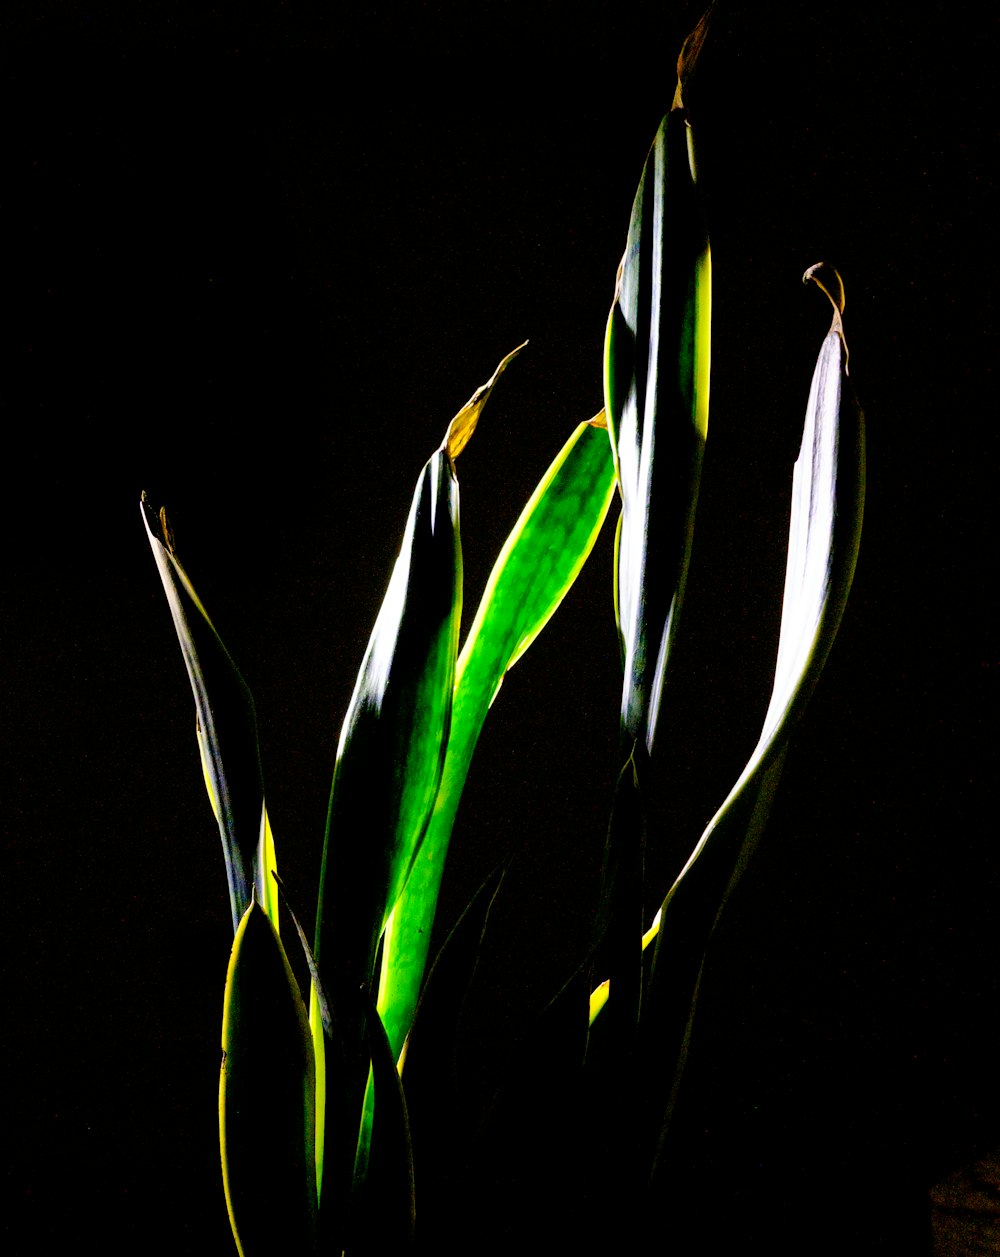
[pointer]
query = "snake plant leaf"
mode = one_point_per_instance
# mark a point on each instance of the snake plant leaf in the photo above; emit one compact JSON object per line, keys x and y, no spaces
{"x":393,"y":738}
{"x":385,"y":1215}
{"x":824,"y":534}
{"x":387,"y":773}
{"x":226,"y":727}
{"x":392,"y":744}
{"x":267,"y":1098}
{"x":656,"y":381}
{"x":537,"y":566}
{"x":431,"y":1041}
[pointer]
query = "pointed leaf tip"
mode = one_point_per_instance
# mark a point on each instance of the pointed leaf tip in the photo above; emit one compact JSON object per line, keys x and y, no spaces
{"x":463,"y":425}
{"x":157,"y":523}
{"x":689,"y":53}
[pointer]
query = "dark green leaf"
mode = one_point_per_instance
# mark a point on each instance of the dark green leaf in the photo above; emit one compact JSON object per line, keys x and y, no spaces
{"x":226,"y":728}
{"x":656,"y":396}
{"x":824,"y":534}
{"x":267,"y":1098}
{"x":385,"y":1216}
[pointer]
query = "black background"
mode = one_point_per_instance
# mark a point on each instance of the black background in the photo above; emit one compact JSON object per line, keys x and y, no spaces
{"x":255,"y":258}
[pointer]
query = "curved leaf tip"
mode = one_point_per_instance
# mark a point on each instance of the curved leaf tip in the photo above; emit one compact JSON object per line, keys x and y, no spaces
{"x":827,"y":278}
{"x":463,"y":425}
{"x":157,"y":522}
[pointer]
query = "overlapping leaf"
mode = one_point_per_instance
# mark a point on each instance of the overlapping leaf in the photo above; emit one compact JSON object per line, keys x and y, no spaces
{"x":391,"y":751}
{"x":267,"y":1098}
{"x":537,"y":566}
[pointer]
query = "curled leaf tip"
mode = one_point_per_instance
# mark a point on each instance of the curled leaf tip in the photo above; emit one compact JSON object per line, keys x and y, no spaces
{"x":167,"y":531}
{"x":463,"y":425}
{"x":688,"y":58}
{"x":827,"y":278}
{"x":157,"y":522}
{"x":600,"y":420}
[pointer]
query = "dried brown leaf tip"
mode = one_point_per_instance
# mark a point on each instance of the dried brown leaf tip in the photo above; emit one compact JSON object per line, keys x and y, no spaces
{"x":167,"y":531}
{"x":157,"y":522}
{"x":600,"y":420}
{"x":463,"y":425}
{"x":688,"y":59}
{"x":827,"y":278}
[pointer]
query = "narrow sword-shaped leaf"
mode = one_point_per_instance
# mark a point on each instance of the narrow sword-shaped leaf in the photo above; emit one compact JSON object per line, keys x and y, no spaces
{"x":267,"y":1098}
{"x":824,"y":534}
{"x":393,"y":738}
{"x":391,"y":751}
{"x":385,"y":1216}
{"x":387,"y":773}
{"x":392,"y":743}
{"x":535,"y":569}
{"x":226,"y":727}
{"x":657,"y":351}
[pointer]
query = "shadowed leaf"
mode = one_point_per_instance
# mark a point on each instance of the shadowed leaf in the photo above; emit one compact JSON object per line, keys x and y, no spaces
{"x":657,"y":350}
{"x":386,"y":1212}
{"x":824,"y":534}
{"x":226,"y":727}
{"x":266,"y":1098}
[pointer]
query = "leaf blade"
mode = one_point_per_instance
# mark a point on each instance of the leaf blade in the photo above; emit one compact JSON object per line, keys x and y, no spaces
{"x":824,"y":536}
{"x":537,"y":566}
{"x":266,"y":1097}
{"x":657,"y":364}
{"x":226,"y":730}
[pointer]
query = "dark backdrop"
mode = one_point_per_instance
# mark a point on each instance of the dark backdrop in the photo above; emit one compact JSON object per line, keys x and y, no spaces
{"x":255,"y":258}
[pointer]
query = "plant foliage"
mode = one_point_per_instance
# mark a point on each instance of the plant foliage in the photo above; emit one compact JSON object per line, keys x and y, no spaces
{"x":319,"y":1152}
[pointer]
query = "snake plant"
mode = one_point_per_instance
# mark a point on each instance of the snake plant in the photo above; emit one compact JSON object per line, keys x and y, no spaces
{"x":315,"y":1128}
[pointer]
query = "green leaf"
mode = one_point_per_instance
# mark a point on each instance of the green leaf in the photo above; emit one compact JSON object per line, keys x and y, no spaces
{"x":535,"y":569}
{"x":392,"y":746}
{"x":827,"y":506}
{"x":266,"y":1098}
{"x":226,"y":727}
{"x":657,"y":350}
{"x":393,"y":739}
{"x":388,"y":768}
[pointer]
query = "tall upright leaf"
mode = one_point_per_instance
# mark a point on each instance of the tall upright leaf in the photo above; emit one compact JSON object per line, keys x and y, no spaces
{"x":537,"y":566}
{"x":657,"y":351}
{"x":656,"y":379}
{"x":824,"y":534}
{"x":391,"y":753}
{"x":226,"y":726}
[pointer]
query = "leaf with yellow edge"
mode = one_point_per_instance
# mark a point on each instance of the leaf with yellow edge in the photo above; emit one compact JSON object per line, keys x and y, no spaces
{"x":267,"y":1098}
{"x":535,"y":569}
{"x":391,"y":753}
{"x":226,"y":728}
